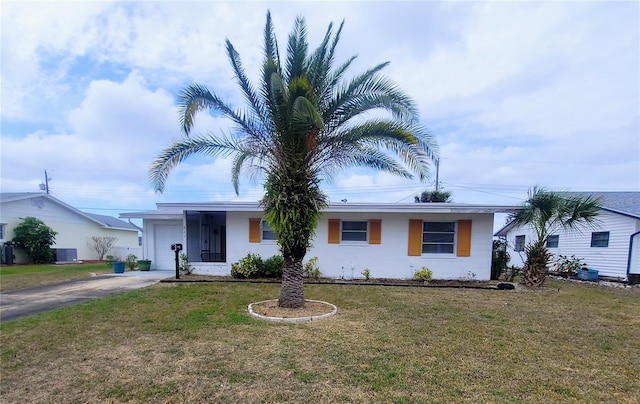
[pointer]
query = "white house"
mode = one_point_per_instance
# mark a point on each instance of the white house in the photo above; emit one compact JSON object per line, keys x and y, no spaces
{"x":612,"y":246}
{"x":391,"y":240}
{"x":75,"y":228}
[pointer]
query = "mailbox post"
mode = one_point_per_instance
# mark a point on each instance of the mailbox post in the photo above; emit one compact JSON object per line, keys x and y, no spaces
{"x":176,"y":248}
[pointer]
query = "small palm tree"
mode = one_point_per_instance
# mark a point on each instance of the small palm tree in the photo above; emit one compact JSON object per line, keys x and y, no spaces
{"x":547,"y":213}
{"x":302,"y":124}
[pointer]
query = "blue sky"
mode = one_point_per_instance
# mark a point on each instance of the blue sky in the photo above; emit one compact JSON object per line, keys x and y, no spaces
{"x":516,"y":94}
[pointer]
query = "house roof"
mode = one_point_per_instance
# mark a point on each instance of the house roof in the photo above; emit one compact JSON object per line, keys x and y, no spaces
{"x":175,"y":210}
{"x":627,"y":203}
{"x":623,"y":203}
{"x":107,"y":222}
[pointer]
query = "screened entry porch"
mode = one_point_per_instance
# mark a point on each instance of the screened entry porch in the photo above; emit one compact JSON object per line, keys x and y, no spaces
{"x":206,"y":236}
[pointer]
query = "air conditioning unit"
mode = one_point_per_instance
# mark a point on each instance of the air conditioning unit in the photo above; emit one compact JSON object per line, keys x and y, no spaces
{"x":66,"y":254}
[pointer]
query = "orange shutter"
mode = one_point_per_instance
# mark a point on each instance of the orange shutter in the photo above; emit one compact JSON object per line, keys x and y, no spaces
{"x":415,"y":237}
{"x":375,"y":231}
{"x":334,"y":231}
{"x":464,"y":238}
{"x":254,"y":230}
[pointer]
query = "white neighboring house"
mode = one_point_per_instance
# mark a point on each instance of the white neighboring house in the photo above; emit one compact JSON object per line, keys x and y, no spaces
{"x":612,"y":246}
{"x":75,"y":228}
{"x":391,"y":240}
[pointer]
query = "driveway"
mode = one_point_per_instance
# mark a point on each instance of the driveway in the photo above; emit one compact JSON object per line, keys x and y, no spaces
{"x":24,"y":302}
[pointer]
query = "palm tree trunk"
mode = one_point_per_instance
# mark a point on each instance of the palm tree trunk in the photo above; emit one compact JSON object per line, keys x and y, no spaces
{"x":535,"y":268}
{"x":292,"y":290}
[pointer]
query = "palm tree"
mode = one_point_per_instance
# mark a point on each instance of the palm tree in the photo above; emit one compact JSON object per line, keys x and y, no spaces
{"x":301,"y":125}
{"x":548,"y":212}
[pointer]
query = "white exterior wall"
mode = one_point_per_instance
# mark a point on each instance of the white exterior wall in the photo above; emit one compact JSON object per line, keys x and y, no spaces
{"x":609,"y":261}
{"x":74,"y":231}
{"x":389,"y":259}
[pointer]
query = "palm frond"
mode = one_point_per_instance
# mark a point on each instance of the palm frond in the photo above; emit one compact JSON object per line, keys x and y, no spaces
{"x":179,"y":151}
{"x":297,"y":50}
{"x":245,"y":85}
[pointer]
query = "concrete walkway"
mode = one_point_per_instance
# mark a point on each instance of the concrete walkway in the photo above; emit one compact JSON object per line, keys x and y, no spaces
{"x":24,"y":302}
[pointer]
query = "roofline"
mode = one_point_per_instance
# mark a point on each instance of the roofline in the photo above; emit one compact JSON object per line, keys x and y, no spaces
{"x":29,"y":195}
{"x":627,"y":214}
{"x":512,"y":225}
{"x":175,"y":210}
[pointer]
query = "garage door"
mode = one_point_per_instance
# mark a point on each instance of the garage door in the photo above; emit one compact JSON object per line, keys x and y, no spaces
{"x":164,"y":236}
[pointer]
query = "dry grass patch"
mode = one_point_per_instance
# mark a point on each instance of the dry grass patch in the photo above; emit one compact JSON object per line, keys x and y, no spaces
{"x":196,"y":343}
{"x":24,"y":276}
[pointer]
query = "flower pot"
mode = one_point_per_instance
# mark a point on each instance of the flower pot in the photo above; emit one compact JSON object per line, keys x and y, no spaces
{"x":588,"y":274}
{"x":144,"y":265}
{"x":118,"y":267}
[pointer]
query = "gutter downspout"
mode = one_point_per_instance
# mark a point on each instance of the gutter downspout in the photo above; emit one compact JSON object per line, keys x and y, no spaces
{"x":630,"y":253}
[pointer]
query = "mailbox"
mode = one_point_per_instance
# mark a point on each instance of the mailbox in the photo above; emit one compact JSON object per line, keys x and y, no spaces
{"x":176,"y":247}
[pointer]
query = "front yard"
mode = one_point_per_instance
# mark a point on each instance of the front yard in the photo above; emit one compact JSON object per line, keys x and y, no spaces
{"x":23,"y":276}
{"x":568,"y":342}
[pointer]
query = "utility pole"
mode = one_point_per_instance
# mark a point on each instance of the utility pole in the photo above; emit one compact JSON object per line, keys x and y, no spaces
{"x":45,"y":186}
{"x":437,"y":174}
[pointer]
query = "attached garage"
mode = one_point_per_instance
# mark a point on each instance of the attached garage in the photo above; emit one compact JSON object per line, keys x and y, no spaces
{"x":166,"y":234}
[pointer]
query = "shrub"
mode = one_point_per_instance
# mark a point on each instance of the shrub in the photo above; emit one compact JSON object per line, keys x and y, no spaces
{"x":423,"y":274}
{"x":131,"y":261}
{"x":250,"y":266}
{"x":273,"y":266}
{"x":568,"y":266}
{"x":367,"y":274}
{"x":311,"y":269}
{"x":35,"y":238}
{"x":184,"y":266}
{"x":102,"y":245}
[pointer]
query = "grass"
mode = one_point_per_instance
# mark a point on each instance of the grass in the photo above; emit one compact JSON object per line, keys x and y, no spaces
{"x":23,"y":276}
{"x":196,"y":343}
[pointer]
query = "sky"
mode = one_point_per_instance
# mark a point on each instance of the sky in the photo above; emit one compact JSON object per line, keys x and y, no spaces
{"x":516,"y":94}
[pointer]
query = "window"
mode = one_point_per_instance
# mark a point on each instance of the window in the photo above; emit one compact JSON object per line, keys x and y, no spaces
{"x":353,"y":231}
{"x":438,"y":237}
{"x":552,"y":241}
{"x":600,"y":239}
{"x":2,"y":225}
{"x":267,"y":232}
{"x":519,"y":244}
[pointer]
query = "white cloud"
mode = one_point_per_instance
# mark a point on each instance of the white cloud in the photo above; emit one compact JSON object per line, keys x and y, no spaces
{"x":517,"y":93}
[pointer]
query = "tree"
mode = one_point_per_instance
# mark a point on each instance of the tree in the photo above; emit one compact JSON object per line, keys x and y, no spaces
{"x":35,"y":238}
{"x":102,"y":244}
{"x":434,"y":196}
{"x":302,"y":124}
{"x":547,"y":213}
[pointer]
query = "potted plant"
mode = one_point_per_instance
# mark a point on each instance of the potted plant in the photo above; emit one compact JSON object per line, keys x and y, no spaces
{"x":118,"y":265}
{"x":144,"y":265}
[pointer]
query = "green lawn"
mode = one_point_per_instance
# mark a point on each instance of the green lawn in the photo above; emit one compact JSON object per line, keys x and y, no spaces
{"x":196,"y":343}
{"x":22,"y":276}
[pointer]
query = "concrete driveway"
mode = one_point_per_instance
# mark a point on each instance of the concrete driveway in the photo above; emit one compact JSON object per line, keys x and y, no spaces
{"x":24,"y":302}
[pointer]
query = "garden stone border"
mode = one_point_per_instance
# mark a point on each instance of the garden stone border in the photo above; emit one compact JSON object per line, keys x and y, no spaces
{"x":292,"y":319}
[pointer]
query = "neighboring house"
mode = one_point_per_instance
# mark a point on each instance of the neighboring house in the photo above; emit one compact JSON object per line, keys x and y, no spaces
{"x":612,"y":246}
{"x":391,"y":240}
{"x":75,"y":228}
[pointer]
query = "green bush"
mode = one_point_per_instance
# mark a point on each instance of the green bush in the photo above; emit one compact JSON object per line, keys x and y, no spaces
{"x":131,"y":261}
{"x":250,"y":266}
{"x":273,"y":267}
{"x":423,"y":274}
{"x":35,"y":238}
